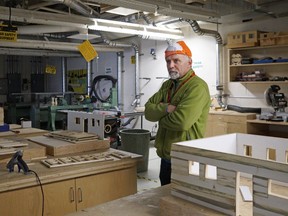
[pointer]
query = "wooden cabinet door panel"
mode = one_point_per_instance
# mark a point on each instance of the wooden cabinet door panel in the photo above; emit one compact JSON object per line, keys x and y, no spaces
{"x":236,"y":128}
{"x":104,"y":187}
{"x":60,"y":198}
{"x":24,"y":202}
{"x":219,"y":128}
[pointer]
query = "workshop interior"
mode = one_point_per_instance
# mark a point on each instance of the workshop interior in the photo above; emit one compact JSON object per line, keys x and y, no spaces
{"x":74,"y":79}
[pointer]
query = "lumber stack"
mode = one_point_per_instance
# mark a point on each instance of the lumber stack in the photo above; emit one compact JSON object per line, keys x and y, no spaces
{"x":63,"y":142}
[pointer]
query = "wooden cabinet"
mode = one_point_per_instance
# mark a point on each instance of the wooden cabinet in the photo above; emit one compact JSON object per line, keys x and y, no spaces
{"x":58,"y":200}
{"x":69,"y":196}
{"x":225,"y":122}
{"x":66,"y":190}
{"x":272,"y":70}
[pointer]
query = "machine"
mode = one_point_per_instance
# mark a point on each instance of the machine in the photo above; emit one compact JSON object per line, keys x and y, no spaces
{"x":277,"y":100}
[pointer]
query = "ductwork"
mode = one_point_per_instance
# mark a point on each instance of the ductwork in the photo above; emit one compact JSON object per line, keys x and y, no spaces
{"x":42,"y":29}
{"x":196,"y":28}
{"x":137,"y":71}
{"x":79,"y":6}
{"x":219,"y":85}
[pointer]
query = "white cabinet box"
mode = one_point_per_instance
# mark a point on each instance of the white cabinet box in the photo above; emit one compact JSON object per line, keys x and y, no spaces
{"x":207,"y":172}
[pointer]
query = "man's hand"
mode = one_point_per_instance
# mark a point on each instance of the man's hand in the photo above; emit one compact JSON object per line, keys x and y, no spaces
{"x":170,"y":108}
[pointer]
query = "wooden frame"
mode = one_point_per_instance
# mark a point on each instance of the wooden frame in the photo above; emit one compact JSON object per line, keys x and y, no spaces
{"x":207,"y":172}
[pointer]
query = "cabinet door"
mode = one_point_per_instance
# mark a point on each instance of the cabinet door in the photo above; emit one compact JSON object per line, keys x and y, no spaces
{"x":24,"y":202}
{"x":60,"y":198}
{"x":28,"y":201}
{"x":219,"y":128}
{"x":96,"y":189}
{"x":236,"y":128}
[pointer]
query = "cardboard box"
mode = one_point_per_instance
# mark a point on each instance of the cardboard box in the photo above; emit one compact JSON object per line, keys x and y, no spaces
{"x":243,"y":39}
{"x":26,"y":124}
{"x":273,"y":38}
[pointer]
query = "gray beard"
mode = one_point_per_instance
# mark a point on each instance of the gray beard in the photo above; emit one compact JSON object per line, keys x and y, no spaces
{"x":174,"y":75}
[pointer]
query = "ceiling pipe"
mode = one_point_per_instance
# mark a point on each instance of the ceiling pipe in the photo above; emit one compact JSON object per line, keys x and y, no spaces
{"x":57,"y":46}
{"x":196,"y":28}
{"x":42,"y":29}
{"x":201,"y":32}
{"x":80,"y":7}
{"x":137,"y":70}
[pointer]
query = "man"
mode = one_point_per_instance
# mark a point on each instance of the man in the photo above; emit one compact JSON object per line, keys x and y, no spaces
{"x":181,"y":106}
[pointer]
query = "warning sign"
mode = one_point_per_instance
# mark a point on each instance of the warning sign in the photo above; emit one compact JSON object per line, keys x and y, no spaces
{"x":87,"y":50}
{"x":6,"y":34}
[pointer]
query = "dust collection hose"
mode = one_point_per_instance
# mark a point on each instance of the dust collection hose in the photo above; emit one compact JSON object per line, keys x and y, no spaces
{"x":244,"y":109}
{"x":94,"y":86}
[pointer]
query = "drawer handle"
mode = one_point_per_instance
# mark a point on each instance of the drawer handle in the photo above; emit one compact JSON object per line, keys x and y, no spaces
{"x":72,"y":197}
{"x":80,"y":195}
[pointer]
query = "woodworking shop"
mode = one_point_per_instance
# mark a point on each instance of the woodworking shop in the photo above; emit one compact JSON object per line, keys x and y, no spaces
{"x":143,"y":107}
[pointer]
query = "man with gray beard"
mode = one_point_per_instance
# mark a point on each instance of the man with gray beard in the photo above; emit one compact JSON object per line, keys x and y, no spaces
{"x":180,"y":106}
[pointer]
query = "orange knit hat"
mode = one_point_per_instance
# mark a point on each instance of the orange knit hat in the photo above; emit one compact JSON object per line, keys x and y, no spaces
{"x":179,"y":47}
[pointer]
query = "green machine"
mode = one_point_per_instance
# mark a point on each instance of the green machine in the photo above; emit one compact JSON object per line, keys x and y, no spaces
{"x":62,"y":104}
{"x":104,"y":90}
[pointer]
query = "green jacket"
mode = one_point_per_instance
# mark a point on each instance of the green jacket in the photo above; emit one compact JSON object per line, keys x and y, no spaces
{"x":188,"y":121}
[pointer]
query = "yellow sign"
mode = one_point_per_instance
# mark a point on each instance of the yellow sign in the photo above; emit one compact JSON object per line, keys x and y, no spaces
{"x":7,"y":34}
{"x":87,"y":50}
{"x":50,"y":69}
{"x":133,"y":60}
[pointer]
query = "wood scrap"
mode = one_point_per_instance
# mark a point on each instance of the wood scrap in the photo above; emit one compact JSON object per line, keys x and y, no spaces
{"x":7,"y":151}
{"x":56,"y":147}
{"x":12,"y":144}
{"x":72,"y":136}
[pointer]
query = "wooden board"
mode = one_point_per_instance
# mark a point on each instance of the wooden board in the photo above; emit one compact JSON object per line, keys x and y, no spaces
{"x":60,"y":147}
{"x":83,"y":159}
{"x":72,"y":136}
{"x":31,"y":151}
{"x":6,"y":143}
{"x":23,"y":132}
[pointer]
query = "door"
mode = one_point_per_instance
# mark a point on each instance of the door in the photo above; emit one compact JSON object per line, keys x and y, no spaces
{"x":104,"y":187}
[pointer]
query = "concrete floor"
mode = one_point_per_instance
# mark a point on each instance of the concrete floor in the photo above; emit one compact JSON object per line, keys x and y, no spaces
{"x":149,"y":179}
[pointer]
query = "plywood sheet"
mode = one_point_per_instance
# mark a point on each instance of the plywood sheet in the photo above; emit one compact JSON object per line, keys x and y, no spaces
{"x":57,"y":147}
{"x":31,"y":150}
{"x":23,"y":132}
{"x":6,"y":143}
{"x":72,"y":136}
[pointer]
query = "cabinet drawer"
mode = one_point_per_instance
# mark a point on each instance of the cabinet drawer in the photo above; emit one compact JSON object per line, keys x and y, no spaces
{"x":236,"y":119}
{"x":215,"y":118}
{"x":236,"y":128}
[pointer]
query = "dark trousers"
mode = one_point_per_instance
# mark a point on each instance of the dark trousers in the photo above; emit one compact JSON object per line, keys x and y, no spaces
{"x":165,"y":172}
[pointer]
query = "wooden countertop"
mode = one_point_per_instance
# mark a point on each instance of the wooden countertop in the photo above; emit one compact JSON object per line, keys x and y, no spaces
{"x":257,"y":121}
{"x":16,"y":180}
{"x":230,"y":112}
{"x":145,"y":204}
{"x":152,"y":202}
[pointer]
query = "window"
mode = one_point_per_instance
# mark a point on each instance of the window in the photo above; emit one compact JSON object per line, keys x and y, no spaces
{"x":271,"y":154}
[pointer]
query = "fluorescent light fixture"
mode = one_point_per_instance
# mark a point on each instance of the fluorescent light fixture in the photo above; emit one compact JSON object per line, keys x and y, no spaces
{"x":122,"y":11}
{"x":135,"y":29}
{"x":82,"y":36}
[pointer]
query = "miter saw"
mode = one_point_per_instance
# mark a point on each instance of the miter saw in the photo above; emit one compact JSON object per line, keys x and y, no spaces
{"x":277,"y":100}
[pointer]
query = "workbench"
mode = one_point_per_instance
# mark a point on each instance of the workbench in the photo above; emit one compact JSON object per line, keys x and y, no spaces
{"x":227,"y":121}
{"x":145,"y":204}
{"x":159,"y":201}
{"x":267,"y":128}
{"x":66,"y":189}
